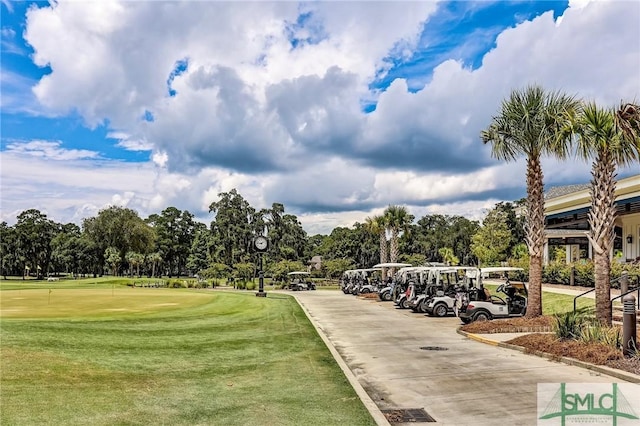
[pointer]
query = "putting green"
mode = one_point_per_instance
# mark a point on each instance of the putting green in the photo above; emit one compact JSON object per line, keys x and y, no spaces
{"x":96,"y":303}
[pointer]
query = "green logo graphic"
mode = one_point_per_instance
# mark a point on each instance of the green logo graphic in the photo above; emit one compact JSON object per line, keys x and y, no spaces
{"x":613,"y":405}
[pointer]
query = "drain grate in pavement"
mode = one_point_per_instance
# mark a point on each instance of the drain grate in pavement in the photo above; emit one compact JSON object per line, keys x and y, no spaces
{"x":433,"y":348}
{"x":407,"y":415}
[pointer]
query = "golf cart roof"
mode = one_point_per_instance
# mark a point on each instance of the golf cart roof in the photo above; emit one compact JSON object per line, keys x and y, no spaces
{"x":299,"y":273}
{"x":391,"y":265}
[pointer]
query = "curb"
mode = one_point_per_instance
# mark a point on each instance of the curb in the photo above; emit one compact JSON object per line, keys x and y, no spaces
{"x":371,"y":406}
{"x":629,"y":377}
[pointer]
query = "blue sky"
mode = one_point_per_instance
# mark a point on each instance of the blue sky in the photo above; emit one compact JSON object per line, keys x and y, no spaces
{"x":335,"y":109}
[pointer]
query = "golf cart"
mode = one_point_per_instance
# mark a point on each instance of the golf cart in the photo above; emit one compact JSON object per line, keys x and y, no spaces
{"x":479,"y":305}
{"x":410,"y":286}
{"x":444,"y":301}
{"x":370,"y":281}
{"x":300,"y":280}
{"x":386,"y":293}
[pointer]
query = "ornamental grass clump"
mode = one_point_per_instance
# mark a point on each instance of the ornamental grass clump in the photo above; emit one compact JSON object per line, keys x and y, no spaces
{"x":597,"y":333}
{"x":569,"y":325}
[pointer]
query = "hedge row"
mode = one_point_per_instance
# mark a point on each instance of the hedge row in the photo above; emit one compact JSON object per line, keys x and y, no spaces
{"x":560,"y":273}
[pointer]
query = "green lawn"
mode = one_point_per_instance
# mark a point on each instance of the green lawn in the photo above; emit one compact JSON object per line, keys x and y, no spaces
{"x":553,"y":303}
{"x":118,"y":355}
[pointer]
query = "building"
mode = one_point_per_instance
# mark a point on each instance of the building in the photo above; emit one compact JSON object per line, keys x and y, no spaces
{"x":566,"y":223}
{"x":315,"y":263}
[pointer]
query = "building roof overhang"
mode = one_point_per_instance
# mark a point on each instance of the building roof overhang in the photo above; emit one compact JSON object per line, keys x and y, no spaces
{"x":627,"y":189}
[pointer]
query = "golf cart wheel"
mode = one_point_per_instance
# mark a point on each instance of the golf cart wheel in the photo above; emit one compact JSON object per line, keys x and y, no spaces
{"x":404,"y":304}
{"x":440,"y":310}
{"x":364,"y":291}
{"x":481,"y":316}
{"x":386,"y":296}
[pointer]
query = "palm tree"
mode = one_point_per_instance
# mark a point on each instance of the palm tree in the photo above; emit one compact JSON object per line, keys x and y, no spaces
{"x":398,"y":219}
{"x":532,"y":123}
{"x":377,"y":226}
{"x":448,"y":256}
{"x":611,"y":138}
{"x":155,"y":258}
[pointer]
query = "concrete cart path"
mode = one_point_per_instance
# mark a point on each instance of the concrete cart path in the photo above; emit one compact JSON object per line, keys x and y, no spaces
{"x":407,"y":360}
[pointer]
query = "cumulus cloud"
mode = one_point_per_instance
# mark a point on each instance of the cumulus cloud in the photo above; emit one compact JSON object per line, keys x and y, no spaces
{"x":268,"y":99}
{"x":48,"y":150}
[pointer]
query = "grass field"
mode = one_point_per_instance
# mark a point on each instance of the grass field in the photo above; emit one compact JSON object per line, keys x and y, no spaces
{"x":553,"y":303}
{"x":111,"y":354}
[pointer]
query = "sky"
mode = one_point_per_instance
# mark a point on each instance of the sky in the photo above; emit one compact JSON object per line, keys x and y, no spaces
{"x":334,"y":109}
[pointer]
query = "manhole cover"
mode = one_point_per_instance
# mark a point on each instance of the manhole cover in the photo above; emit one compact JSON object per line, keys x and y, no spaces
{"x":433,"y":348}
{"x":407,"y":415}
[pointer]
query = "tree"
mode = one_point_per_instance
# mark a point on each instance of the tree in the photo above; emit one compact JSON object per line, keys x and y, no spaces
{"x":335,"y":267}
{"x":199,"y":256}
{"x":175,"y":231}
{"x":245,"y":271}
{"x":113,"y":258}
{"x":531,"y":123}
{"x":134,"y":260}
{"x":66,"y":249}
{"x":448,"y":256}
{"x":280,"y":269}
{"x":120,"y":228}
{"x":491,"y":243}
{"x":34,"y":232}
{"x":233,"y":227}
{"x":609,"y":138}
{"x":8,"y":250}
{"x":155,"y":259}
{"x":398,"y":219}
{"x":215,"y":272}
{"x":376,"y":225}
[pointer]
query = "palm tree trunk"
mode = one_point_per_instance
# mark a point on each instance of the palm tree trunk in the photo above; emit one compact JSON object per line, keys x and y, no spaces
{"x":383,"y":252}
{"x":534,"y":229}
{"x":602,"y":265}
{"x":602,"y":216}
{"x":394,"y":246}
{"x":393,"y":256}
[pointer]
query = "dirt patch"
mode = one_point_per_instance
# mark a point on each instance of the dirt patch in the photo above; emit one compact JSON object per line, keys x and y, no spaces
{"x":593,"y":353}
{"x":368,"y":296}
{"x":511,"y":325}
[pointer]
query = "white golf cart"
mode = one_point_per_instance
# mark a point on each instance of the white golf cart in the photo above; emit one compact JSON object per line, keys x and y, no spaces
{"x":370,"y":281}
{"x":478,"y":304}
{"x":300,"y":280}
{"x":450,"y":283}
{"x":386,"y":292}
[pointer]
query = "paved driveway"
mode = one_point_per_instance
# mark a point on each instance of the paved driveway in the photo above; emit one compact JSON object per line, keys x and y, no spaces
{"x":466,"y":383}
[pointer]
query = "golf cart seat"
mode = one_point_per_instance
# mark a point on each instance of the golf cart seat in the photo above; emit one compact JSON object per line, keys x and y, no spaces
{"x":497,"y":300}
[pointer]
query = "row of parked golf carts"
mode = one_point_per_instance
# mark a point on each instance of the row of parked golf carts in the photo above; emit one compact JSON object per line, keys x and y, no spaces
{"x":439,"y":290}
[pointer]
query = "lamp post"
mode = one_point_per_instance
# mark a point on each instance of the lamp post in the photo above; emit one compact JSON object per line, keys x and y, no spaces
{"x":261,"y":245}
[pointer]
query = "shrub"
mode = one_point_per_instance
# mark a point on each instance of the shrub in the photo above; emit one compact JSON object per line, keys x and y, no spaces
{"x":176,"y":284}
{"x":596,"y":333}
{"x":250,"y":285}
{"x":568,"y":325}
{"x":556,"y":272}
{"x":584,"y":274}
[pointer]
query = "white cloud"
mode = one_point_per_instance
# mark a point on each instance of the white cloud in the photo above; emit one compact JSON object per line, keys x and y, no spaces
{"x":285,"y":125}
{"x":49,"y":150}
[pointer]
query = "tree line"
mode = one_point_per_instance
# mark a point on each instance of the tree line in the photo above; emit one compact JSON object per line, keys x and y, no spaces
{"x":118,"y":241}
